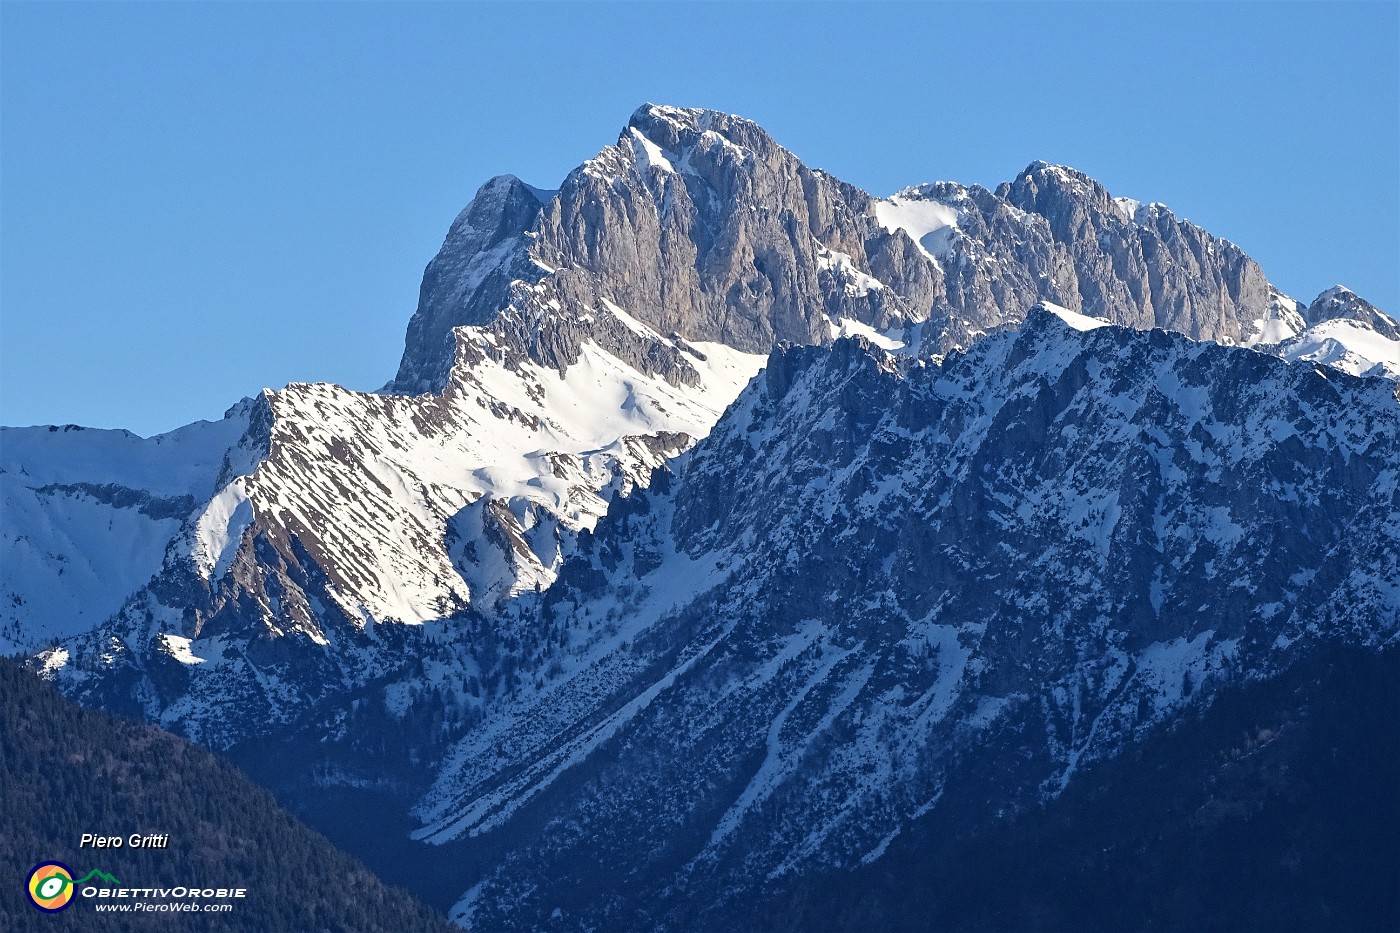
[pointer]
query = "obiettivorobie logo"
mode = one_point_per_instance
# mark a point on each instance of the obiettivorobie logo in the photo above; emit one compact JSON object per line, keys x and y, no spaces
{"x":51,"y":885}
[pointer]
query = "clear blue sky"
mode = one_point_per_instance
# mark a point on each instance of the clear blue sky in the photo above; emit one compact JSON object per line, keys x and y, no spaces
{"x":199,"y":200}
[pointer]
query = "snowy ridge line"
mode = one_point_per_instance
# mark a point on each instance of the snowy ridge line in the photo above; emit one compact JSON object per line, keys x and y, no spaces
{"x":92,"y":515}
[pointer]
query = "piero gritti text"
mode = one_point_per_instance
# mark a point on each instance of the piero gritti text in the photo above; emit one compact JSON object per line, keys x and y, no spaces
{"x":133,"y":841}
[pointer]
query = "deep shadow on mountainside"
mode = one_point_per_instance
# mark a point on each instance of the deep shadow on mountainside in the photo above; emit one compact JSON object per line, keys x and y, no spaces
{"x":1275,"y":809}
{"x":65,"y":770}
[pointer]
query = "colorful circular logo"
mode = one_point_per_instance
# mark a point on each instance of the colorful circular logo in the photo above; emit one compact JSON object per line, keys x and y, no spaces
{"x":50,"y":886}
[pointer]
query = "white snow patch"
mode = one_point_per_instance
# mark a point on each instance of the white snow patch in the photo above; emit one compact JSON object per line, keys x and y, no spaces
{"x":930,"y":224}
{"x":1128,"y":208}
{"x":850,"y":327}
{"x":857,"y":283}
{"x":1175,"y":669}
{"x":879,"y":850}
{"x":52,"y":661}
{"x":1074,"y":318}
{"x":220,"y":529}
{"x":178,"y":647}
{"x":1282,"y":321}
{"x":1349,"y":346}
{"x":649,"y":153}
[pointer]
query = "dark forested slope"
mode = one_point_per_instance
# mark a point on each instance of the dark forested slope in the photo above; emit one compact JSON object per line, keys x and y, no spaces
{"x":65,"y":771}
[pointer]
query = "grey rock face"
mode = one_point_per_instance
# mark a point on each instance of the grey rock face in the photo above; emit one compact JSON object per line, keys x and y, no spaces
{"x":700,"y":225}
{"x":696,"y":223}
{"x":470,"y":277}
{"x":998,"y":261}
{"x":1140,"y":265}
{"x":1054,"y":234}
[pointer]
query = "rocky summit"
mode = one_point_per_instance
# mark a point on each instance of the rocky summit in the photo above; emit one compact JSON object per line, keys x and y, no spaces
{"x":723,"y":522}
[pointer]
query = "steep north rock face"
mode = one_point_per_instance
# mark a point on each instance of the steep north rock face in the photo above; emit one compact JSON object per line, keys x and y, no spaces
{"x":878,"y":578}
{"x":699,"y":224}
{"x":469,"y":280}
{"x":1139,"y":265}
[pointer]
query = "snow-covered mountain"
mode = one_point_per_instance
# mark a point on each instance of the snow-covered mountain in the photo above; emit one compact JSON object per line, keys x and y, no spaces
{"x":1003,"y":476}
{"x":337,"y":511}
{"x":89,"y":515}
{"x":880,"y":576}
{"x":1346,"y":332}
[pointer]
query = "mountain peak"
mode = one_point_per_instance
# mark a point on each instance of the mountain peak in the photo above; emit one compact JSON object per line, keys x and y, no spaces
{"x":1046,"y":178}
{"x":1340,"y":303}
{"x":469,"y":279}
{"x":1048,"y":172}
{"x":676,"y":129}
{"x":696,"y":119}
{"x":498,"y":198}
{"x":1040,"y":165}
{"x":681,"y":116}
{"x":1336,"y":292}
